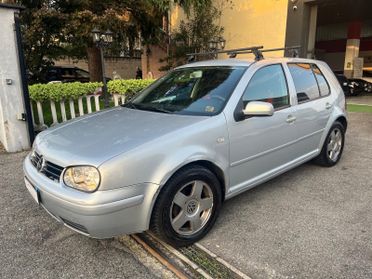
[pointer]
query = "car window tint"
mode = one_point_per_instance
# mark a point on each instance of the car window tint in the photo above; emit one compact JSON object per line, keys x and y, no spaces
{"x":304,"y":80}
{"x":323,"y":85}
{"x":268,"y":84}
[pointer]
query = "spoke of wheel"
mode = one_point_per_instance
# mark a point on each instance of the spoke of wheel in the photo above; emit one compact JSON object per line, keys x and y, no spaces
{"x":329,"y":146}
{"x":179,"y":220}
{"x":206,"y":203}
{"x":196,"y":223}
{"x":197,"y":189}
{"x":180,"y":199}
{"x":331,"y":154}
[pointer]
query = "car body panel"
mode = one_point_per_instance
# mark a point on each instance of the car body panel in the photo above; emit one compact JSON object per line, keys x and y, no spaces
{"x":100,"y":136}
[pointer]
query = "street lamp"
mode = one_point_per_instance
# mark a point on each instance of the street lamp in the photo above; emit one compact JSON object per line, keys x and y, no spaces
{"x":103,"y":40}
{"x":216,"y":44}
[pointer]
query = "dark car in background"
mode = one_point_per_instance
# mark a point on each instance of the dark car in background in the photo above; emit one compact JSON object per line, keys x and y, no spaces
{"x":344,"y":82}
{"x":360,"y":85}
{"x":66,"y":74}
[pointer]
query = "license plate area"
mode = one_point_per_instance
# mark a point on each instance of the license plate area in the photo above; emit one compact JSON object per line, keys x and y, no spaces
{"x":33,"y":191}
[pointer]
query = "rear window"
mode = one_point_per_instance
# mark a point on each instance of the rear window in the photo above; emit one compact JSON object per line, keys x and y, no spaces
{"x":309,"y":81}
{"x":305,"y":82}
{"x":323,"y":85}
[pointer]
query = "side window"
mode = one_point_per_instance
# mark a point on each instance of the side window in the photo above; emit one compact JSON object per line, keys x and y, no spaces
{"x":268,"y":84}
{"x":304,"y":80}
{"x":323,"y":85}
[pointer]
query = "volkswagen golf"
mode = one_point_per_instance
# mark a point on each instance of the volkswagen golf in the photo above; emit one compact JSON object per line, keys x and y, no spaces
{"x":202,"y":134}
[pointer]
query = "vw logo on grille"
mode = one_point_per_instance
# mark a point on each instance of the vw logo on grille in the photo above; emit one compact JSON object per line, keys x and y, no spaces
{"x":40,"y":164}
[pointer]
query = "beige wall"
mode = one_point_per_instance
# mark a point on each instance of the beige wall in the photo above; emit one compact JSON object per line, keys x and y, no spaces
{"x":256,"y":22}
{"x":125,"y":67}
{"x":250,"y":23}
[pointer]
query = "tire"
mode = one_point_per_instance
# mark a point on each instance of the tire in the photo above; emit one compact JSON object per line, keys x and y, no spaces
{"x":332,"y":151}
{"x":181,"y":216}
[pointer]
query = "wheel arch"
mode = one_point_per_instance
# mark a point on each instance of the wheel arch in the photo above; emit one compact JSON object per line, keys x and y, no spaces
{"x":216,"y":170}
{"x":342,"y":119}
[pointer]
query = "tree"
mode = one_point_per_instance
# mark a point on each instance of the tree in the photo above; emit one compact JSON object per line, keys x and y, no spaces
{"x":194,"y":34}
{"x":57,"y":28}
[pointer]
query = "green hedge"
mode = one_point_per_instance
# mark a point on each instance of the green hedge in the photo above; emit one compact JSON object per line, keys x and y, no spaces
{"x":60,"y":91}
{"x":127,"y":86}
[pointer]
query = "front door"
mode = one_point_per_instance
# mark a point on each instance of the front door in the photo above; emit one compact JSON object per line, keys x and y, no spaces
{"x":262,"y":146}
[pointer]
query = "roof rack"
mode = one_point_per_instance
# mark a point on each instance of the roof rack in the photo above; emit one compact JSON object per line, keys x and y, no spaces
{"x":256,"y":50}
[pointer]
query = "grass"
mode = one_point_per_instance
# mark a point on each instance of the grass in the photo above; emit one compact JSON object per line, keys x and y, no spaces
{"x":359,"y":108}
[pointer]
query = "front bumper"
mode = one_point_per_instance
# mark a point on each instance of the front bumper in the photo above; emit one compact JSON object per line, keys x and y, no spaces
{"x":101,"y":214}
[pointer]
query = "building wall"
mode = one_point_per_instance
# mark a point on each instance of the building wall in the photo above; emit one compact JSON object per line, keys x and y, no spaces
{"x":13,"y":132}
{"x":151,"y":62}
{"x":124,"y":67}
{"x":255,"y":22}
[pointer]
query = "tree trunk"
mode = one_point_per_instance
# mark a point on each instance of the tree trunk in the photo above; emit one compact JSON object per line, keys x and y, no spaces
{"x":94,"y":64}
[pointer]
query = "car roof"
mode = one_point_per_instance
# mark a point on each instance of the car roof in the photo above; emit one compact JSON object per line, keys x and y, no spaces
{"x":234,"y":62}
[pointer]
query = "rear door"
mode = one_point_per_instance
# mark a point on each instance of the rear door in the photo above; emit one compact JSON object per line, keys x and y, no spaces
{"x":314,"y":105}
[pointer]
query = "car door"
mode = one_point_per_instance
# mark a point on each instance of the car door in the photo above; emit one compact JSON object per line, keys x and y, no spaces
{"x":260,"y":147}
{"x":314,"y":105}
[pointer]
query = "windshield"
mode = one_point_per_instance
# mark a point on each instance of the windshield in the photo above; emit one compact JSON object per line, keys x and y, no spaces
{"x":195,"y":91}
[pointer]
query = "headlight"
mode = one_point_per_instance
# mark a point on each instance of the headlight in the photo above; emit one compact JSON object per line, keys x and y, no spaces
{"x":84,"y":178}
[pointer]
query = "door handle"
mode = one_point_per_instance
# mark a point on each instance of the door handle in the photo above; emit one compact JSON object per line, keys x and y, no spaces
{"x":290,"y":119}
{"x":328,"y":106}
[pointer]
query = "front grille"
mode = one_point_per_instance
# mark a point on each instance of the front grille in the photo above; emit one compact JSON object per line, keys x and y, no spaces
{"x":50,"y":170}
{"x":75,"y":226}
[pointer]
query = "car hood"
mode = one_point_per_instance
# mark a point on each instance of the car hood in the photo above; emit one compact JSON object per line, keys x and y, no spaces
{"x":97,"y":137}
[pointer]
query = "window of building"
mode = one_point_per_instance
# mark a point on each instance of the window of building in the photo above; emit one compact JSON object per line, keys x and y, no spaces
{"x":305,"y":82}
{"x":323,"y":85}
{"x":268,"y":84}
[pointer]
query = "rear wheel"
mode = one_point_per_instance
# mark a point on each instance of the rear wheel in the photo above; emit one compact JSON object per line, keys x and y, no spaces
{"x":187,"y":206}
{"x":333,"y":146}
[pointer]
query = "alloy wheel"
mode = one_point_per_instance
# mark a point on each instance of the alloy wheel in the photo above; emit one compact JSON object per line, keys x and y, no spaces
{"x":334,"y":145}
{"x":191,"y":207}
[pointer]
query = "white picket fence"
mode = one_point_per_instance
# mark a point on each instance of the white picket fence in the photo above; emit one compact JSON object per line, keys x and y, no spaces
{"x":65,"y":109}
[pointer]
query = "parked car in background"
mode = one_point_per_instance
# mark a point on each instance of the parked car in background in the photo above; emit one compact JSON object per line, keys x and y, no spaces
{"x":202,"y":134}
{"x":360,"y":85}
{"x":67,"y":74}
{"x":345,"y":83}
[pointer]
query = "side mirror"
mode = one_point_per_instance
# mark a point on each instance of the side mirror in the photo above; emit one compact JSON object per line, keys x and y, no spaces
{"x":257,"y":108}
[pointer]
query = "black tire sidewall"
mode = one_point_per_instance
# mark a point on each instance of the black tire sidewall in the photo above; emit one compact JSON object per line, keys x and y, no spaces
{"x":325,"y":158}
{"x":166,"y":198}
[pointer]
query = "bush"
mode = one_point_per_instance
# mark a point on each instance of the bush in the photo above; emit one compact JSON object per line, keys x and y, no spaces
{"x":127,"y":87}
{"x":61,"y":91}
{"x":64,"y":91}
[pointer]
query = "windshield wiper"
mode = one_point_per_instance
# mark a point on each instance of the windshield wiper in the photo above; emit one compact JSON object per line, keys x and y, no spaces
{"x":144,"y":107}
{"x":129,"y":105}
{"x":157,"y":109}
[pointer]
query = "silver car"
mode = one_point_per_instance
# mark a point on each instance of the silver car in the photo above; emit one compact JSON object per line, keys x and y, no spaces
{"x":169,"y":158}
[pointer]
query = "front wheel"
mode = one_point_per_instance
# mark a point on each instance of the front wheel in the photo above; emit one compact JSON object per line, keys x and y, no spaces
{"x":187,"y":206}
{"x":333,"y":146}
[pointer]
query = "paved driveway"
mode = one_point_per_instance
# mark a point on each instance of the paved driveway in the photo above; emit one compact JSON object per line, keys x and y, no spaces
{"x":33,"y":245}
{"x":310,"y":223}
{"x":313,"y":222}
